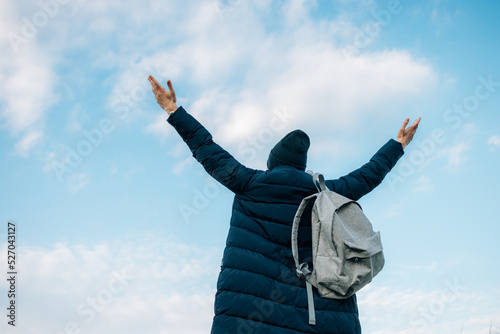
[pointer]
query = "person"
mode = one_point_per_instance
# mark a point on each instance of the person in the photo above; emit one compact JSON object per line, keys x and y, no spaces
{"x":257,"y":288}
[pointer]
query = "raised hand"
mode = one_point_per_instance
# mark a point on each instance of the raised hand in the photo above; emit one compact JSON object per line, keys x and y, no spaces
{"x":406,"y":135}
{"x":166,"y":99}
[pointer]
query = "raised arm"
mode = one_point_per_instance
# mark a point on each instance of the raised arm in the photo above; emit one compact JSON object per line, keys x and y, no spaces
{"x":217,"y":162}
{"x":363,"y":180}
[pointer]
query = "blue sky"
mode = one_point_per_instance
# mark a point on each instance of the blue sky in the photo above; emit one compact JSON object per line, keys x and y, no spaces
{"x":120,"y":230}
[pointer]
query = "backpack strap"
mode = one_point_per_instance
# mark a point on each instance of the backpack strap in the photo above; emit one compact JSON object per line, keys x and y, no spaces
{"x":310,"y":297}
{"x":302,"y":269}
{"x":295,"y":228}
{"x":337,"y":199}
{"x":319,"y":181}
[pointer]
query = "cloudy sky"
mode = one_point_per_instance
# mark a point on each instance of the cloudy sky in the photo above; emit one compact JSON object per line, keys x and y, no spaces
{"x":119,"y":230}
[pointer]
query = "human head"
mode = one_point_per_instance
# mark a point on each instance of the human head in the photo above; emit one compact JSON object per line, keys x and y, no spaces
{"x":290,"y":151}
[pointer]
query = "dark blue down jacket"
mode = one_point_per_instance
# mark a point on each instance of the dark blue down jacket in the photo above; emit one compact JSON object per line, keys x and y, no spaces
{"x":257,"y":290}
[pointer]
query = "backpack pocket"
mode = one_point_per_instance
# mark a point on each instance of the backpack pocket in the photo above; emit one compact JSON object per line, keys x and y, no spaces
{"x":364,"y":248}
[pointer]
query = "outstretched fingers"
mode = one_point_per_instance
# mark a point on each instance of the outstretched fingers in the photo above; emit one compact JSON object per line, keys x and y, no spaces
{"x":154,"y":84}
{"x":417,"y":121}
{"x":405,"y":123}
{"x":171,"y":89}
{"x":403,"y":127}
{"x":153,"y":80}
{"x":405,"y":135}
{"x":414,"y":127}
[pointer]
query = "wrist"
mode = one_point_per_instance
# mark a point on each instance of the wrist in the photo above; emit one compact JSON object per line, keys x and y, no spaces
{"x":171,"y":109}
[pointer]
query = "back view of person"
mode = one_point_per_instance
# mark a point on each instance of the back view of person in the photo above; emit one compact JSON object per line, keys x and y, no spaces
{"x":258,"y":291}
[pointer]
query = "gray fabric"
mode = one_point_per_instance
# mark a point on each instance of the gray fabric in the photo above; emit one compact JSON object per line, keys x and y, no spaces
{"x":310,"y":304}
{"x":303,"y":271}
{"x":347,"y":253}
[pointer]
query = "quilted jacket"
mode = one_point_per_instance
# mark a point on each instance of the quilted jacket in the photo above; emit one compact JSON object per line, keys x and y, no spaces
{"x":257,"y":290}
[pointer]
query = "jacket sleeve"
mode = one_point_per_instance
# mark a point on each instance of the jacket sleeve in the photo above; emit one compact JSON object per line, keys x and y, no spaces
{"x":221,"y":165}
{"x":363,"y":180}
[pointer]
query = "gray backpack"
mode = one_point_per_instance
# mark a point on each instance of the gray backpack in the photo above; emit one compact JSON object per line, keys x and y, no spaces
{"x":346,"y":252}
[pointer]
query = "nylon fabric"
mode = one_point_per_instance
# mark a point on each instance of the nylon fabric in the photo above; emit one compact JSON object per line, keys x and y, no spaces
{"x":258,"y":291}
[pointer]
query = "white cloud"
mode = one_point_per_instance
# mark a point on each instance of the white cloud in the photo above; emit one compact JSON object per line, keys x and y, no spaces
{"x":160,"y":126}
{"x":77,"y":181}
{"x":442,"y":19}
{"x":24,"y":146}
{"x":456,"y":155}
{"x":494,"y":141}
{"x":169,"y":287}
{"x":183,"y":164}
{"x":240,"y":68}
{"x":294,"y":10}
{"x":231,"y":73}
{"x":236,"y":64}
{"x":445,"y":309}
{"x":319,"y":86}
{"x":165,"y":287}
{"x":26,"y":92}
{"x":468,"y":130}
{"x":393,"y":211}
{"x":26,"y":81}
{"x":236,"y":69}
{"x":423,"y":184}
{"x":76,"y":117}
{"x":102,"y":25}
